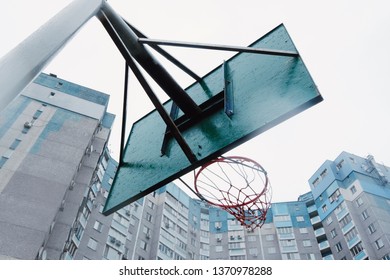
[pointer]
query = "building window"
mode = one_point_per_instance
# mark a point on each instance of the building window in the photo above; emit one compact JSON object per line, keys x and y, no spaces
{"x":340,"y":207}
{"x":121,"y":219}
{"x":253,"y":252}
{"x":371,"y":228}
{"x":324,"y":208}
{"x":72,"y":249}
{"x":150,"y":204}
{"x":242,"y":257}
{"x":303,"y":230}
{"x":340,"y":164}
{"x":218,"y":248}
{"x":365,"y":215}
{"x":290,"y":256}
{"x":309,"y":256}
{"x":324,"y":173}
{"x":353,"y":189}
{"x":15,"y":144}
{"x":306,"y":243}
{"x":269,"y":237}
{"x":92,"y":244}
{"x":386,"y":257}
{"x":181,"y":231}
{"x":252,"y":238}
{"x":149,"y":217}
{"x":133,"y":221}
{"x":146,"y":230}
{"x":300,"y":219}
{"x":182,"y":245}
{"x":329,"y":220}
{"x":98,"y":226}
{"x":338,"y":247}
{"x":316,"y":182}
{"x":3,"y":160}
{"x":170,"y":209}
{"x":37,"y":114}
{"x":271,"y":250}
{"x":110,"y":253}
{"x":334,"y":196}
{"x":356,"y":249}
{"x":282,"y":218}
{"x":143,"y":245}
{"x":359,"y":202}
{"x":379,"y":244}
{"x":288,"y":243}
{"x":351,"y":234}
{"x":204,"y":223}
{"x":206,"y":246}
{"x":333,"y":233}
{"x":284,"y":230}
{"x":346,"y":220}
{"x":218,"y":225}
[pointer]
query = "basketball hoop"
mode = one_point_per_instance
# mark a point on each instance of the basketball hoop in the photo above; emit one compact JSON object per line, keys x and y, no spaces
{"x":238,"y":185}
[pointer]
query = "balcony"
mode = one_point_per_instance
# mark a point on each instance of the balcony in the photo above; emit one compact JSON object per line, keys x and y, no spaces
{"x":341,"y":214}
{"x":311,"y":209}
{"x":324,"y":245}
{"x":237,"y":252}
{"x":353,"y":241}
{"x":319,"y":232}
{"x":119,"y":227}
{"x":347,"y":227}
{"x":362,"y":255}
{"x":289,"y":249}
{"x":283,"y":236}
{"x":315,"y":220}
{"x":328,"y":257}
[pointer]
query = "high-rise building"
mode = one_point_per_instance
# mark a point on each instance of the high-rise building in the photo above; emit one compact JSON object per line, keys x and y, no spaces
{"x":346,"y":215}
{"x":51,"y":138}
{"x":352,"y":198}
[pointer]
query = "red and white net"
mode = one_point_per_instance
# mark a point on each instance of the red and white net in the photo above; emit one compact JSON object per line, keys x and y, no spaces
{"x":238,"y":185}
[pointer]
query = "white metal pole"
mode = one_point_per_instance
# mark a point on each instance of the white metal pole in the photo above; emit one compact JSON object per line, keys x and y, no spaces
{"x":21,"y":65}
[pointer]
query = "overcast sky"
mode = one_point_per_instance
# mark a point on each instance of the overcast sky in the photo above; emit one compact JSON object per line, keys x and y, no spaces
{"x":344,"y":44}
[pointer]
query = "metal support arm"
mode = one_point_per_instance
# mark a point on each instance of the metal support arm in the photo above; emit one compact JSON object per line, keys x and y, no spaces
{"x":153,"y":42}
{"x":148,"y":62}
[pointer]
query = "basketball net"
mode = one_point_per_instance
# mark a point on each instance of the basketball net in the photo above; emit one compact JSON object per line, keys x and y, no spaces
{"x":238,"y":185}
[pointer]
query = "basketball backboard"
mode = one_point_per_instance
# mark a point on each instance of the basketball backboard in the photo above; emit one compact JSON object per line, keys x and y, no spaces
{"x":243,"y":97}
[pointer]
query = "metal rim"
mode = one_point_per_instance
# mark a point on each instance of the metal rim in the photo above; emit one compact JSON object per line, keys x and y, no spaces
{"x":231,"y":159}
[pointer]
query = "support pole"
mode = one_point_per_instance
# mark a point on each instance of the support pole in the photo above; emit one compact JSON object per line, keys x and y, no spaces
{"x":26,"y":61}
{"x":124,"y":114}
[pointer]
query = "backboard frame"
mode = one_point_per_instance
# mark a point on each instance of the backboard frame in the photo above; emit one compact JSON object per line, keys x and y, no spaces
{"x":152,"y":158}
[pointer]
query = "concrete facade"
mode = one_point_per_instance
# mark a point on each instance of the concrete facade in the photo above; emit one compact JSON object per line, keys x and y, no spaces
{"x":48,"y":157}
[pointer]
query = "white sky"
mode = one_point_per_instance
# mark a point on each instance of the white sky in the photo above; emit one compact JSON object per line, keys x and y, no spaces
{"x":344,"y":44}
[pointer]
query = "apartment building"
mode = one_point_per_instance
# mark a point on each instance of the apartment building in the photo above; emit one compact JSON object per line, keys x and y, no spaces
{"x":352,"y":198}
{"x":346,"y":215}
{"x":51,"y":138}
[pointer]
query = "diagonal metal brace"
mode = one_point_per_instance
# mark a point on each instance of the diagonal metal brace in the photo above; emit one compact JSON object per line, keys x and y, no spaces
{"x":217,"y":47}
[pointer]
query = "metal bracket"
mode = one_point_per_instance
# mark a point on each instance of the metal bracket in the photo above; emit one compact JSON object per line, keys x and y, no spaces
{"x":228,"y":92}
